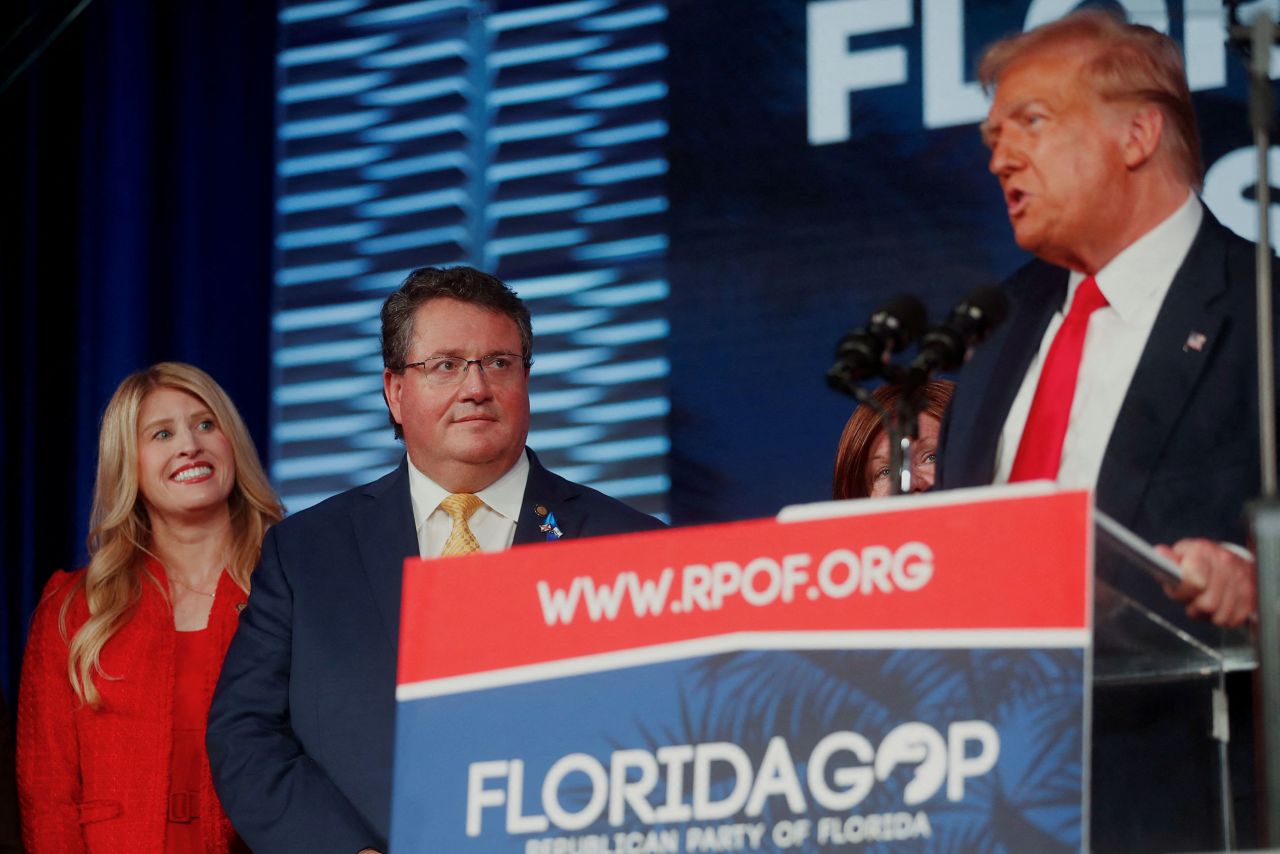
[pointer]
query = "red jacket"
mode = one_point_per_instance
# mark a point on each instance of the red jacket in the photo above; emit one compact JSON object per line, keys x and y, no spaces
{"x":98,"y":780}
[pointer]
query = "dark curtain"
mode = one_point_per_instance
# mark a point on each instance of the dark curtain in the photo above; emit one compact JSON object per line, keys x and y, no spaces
{"x":138,"y":161}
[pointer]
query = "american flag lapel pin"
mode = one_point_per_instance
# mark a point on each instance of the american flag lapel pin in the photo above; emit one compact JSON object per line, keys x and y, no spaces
{"x":549,"y":525}
{"x":1195,"y":341}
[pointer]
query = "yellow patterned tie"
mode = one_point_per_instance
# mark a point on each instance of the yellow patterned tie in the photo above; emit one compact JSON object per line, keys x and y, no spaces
{"x":461,"y":541}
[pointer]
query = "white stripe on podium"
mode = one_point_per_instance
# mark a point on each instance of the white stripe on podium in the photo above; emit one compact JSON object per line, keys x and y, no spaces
{"x":749,"y":641}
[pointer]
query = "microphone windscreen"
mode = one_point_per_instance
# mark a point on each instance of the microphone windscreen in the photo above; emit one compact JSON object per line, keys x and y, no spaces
{"x":910,"y":315}
{"x":992,"y":303}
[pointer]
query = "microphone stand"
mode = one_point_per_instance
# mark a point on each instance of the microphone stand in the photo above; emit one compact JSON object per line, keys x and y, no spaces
{"x":901,"y":432}
{"x":903,"y":428}
{"x":1265,"y":513}
{"x":908,"y":428}
{"x":900,"y":424}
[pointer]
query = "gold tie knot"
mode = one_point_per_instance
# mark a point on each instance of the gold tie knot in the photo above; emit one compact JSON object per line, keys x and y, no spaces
{"x":460,"y":508}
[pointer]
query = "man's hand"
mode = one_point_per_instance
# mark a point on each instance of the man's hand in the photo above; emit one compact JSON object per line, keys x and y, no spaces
{"x":1218,"y":584}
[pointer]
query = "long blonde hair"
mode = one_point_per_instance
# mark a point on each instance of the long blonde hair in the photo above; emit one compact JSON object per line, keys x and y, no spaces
{"x":120,"y":529}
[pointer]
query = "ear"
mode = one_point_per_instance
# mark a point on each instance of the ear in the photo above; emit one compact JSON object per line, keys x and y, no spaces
{"x":1143,"y":129}
{"x":392,"y":386}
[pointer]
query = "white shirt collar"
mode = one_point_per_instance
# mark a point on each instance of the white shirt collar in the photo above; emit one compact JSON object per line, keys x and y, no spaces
{"x":1136,"y":281}
{"x":504,"y":496}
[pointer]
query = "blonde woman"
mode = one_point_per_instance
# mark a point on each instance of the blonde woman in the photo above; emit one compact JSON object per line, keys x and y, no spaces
{"x":123,"y":655}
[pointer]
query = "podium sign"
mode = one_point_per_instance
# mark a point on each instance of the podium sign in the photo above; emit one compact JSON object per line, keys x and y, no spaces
{"x":913,"y":678}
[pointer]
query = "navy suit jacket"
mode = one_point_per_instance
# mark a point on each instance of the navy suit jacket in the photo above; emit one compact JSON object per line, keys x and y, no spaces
{"x":1183,"y":457}
{"x":301,"y":729}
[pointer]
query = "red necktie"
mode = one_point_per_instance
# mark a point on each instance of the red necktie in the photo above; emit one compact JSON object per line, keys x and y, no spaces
{"x":1040,"y":451}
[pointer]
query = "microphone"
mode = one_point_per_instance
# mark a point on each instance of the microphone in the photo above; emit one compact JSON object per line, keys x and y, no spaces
{"x":863,"y":353}
{"x":944,"y":347}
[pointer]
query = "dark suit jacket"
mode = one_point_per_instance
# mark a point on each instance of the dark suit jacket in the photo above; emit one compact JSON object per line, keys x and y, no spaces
{"x":1183,"y":457}
{"x":301,"y":730}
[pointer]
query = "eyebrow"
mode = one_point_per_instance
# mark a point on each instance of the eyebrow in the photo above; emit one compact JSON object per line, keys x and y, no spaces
{"x":987,"y":131}
{"x":991,"y":132}
{"x":458,"y":354}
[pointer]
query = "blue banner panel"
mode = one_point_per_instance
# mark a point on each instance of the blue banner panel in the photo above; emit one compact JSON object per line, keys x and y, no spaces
{"x":955,"y":749}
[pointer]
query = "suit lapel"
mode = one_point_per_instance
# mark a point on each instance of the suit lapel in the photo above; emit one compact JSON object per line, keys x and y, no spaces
{"x":1037,"y":295}
{"x":385,"y":534}
{"x":1167,"y":374}
{"x":547,"y":492}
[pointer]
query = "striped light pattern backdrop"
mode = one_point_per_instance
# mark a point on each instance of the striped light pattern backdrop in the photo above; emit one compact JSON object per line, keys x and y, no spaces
{"x":522,"y":138}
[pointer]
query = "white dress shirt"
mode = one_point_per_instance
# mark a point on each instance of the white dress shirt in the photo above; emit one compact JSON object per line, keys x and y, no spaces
{"x":494,"y":524}
{"x":1135,"y":283}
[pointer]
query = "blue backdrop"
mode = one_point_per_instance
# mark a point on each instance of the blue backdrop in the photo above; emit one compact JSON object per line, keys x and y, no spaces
{"x":137,"y":167}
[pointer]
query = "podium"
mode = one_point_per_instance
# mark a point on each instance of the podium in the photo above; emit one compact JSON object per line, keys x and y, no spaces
{"x":1173,"y":743}
{"x":912,"y":674}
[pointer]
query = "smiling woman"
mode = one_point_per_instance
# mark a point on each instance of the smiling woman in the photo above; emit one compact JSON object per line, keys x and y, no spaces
{"x":185,"y":465}
{"x":123,"y":655}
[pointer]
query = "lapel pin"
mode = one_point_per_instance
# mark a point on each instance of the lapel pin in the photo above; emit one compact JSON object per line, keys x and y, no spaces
{"x":240,"y":606}
{"x":1195,"y":341}
{"x":548,"y":527}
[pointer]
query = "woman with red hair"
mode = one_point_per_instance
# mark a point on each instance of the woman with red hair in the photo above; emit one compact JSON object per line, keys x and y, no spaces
{"x":862,"y":458}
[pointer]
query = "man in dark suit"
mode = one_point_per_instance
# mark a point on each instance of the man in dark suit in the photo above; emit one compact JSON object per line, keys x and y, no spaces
{"x":301,"y":730}
{"x":1145,"y":390}
{"x":1127,"y":365}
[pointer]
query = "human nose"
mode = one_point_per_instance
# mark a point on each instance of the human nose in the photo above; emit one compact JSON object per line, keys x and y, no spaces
{"x":475,"y":383}
{"x":921,"y":477}
{"x":1005,"y":156}
{"x":188,"y":442}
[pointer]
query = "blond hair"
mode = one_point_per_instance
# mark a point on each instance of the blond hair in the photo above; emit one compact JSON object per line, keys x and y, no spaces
{"x":1132,"y":63}
{"x":120,"y":529}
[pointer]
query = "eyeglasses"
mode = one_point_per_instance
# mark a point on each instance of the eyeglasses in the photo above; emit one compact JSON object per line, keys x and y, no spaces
{"x":497,"y":368}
